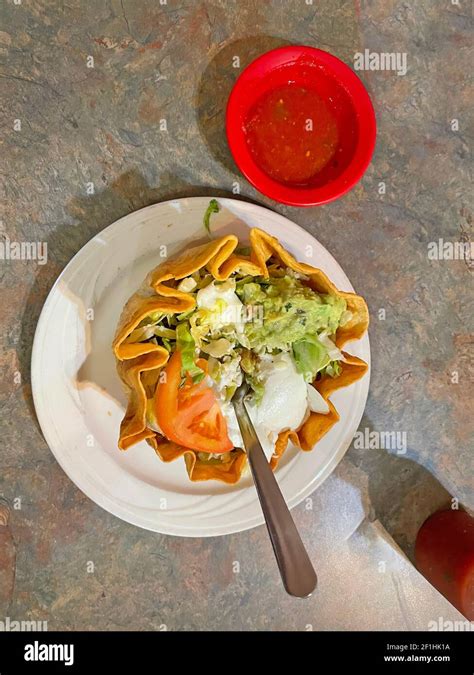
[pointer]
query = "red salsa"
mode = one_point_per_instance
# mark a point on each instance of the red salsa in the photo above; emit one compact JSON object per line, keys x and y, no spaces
{"x":292,"y":134}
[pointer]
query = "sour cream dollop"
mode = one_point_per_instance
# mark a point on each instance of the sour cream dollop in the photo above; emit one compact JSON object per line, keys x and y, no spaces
{"x":284,"y":403}
{"x":223,"y":300}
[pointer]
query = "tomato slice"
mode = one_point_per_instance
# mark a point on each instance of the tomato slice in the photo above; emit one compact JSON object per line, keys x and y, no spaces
{"x":190,"y":415}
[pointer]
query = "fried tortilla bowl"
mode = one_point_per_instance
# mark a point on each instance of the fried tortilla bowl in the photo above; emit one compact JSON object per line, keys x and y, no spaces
{"x":139,"y":364}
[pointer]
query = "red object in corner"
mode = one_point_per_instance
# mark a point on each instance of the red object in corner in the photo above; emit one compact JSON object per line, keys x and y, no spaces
{"x":444,"y":554}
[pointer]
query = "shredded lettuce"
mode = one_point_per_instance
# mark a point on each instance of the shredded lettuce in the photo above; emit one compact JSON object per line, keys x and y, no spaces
{"x":187,"y":285}
{"x":212,"y":208}
{"x":230,"y":391}
{"x":184,"y":315}
{"x":257,"y":387}
{"x":217,"y":348}
{"x":147,"y":332}
{"x":310,"y":357}
{"x":199,"y":376}
{"x":333,"y":369}
{"x":162,"y":331}
{"x":334,"y":352}
{"x":249,"y":362}
{"x":154,"y":317}
{"x":185,"y":344}
{"x":243,"y":250}
{"x":241,"y":283}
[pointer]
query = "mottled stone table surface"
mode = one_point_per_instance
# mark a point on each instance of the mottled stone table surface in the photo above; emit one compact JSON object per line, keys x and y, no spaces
{"x":84,"y":86}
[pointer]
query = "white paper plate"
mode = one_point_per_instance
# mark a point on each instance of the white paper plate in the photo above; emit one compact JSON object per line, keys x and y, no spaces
{"x":78,"y":396}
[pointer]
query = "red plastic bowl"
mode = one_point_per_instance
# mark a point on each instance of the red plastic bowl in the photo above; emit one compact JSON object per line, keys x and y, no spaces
{"x":331,"y":79}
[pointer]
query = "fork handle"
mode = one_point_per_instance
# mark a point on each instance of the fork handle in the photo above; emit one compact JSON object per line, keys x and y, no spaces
{"x":296,"y":569}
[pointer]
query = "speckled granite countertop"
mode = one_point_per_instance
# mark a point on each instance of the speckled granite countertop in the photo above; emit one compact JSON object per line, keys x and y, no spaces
{"x":84,"y":86}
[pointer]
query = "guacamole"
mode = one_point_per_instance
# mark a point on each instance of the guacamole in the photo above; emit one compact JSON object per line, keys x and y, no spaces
{"x":289,"y":312}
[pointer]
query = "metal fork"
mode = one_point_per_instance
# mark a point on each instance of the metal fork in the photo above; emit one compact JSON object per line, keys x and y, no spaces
{"x":296,"y":569}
